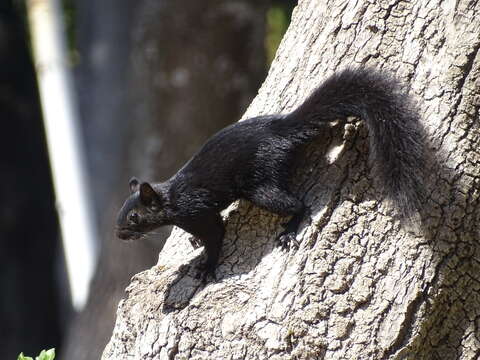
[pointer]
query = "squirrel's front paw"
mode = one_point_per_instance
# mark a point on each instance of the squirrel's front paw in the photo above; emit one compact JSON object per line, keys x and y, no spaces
{"x":195,"y":242}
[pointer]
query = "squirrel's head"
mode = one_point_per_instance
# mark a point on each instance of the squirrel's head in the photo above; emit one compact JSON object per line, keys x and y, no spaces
{"x":142,"y":212}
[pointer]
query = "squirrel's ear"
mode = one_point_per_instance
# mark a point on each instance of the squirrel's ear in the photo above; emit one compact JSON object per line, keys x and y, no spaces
{"x":147,"y":194}
{"x":133,"y":183}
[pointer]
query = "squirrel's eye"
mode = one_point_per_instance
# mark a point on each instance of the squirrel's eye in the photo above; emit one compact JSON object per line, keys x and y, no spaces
{"x":133,"y":217}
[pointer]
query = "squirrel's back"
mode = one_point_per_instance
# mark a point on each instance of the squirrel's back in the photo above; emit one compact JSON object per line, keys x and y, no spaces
{"x":247,"y":153}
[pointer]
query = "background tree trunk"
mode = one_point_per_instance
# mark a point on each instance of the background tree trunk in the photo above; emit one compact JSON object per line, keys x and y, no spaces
{"x":32,"y":303}
{"x":361,"y":285}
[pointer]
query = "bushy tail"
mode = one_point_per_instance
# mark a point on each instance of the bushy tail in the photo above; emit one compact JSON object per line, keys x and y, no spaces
{"x":395,"y":133}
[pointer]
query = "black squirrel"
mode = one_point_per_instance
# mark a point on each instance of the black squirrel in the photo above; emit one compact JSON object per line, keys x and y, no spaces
{"x":252,"y":160}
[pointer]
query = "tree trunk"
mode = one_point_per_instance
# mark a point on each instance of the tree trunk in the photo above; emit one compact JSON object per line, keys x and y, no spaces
{"x":361,"y":285}
{"x":32,"y":301}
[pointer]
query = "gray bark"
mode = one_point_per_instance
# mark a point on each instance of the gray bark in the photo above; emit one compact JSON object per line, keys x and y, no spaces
{"x":361,"y":285}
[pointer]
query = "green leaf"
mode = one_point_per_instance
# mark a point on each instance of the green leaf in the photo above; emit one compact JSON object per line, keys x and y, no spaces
{"x":23,"y":357}
{"x":46,"y":355}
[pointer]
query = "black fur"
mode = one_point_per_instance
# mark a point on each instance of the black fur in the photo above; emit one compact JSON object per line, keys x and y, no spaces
{"x":252,"y":160}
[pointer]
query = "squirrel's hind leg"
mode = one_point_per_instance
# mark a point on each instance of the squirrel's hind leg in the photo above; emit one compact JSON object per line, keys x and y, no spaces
{"x":281,"y":202}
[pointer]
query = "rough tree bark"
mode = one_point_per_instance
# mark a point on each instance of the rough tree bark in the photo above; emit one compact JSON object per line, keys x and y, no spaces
{"x":361,"y":285}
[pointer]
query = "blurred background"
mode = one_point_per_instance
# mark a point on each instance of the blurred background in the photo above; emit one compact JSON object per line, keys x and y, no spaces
{"x":147,"y":82}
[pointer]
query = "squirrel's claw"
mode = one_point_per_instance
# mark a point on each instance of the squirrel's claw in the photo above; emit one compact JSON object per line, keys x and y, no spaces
{"x":286,"y":239}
